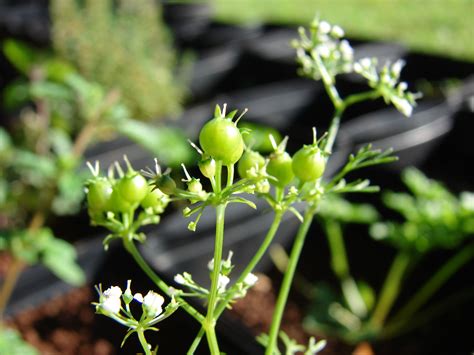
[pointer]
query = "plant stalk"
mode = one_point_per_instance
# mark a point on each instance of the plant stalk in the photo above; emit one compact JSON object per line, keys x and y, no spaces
{"x":390,"y":289}
{"x":340,"y":266}
{"x":435,"y":282}
{"x":143,"y":342}
{"x":210,"y":321}
{"x":17,"y":266}
{"x":132,"y":249}
{"x":248,"y":269}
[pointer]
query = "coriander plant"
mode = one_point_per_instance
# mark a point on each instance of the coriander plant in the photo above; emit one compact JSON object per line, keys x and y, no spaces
{"x":126,"y":202}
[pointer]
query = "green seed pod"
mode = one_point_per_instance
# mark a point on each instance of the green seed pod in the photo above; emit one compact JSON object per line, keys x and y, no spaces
{"x":250,"y":160}
{"x":166,"y":184}
{"x":279,"y":167}
{"x":308,"y":163}
{"x":221,"y":139}
{"x":208,"y":167}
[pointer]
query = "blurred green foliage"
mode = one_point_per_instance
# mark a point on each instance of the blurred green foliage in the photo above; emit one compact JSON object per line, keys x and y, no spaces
{"x":124,"y":47}
{"x":443,"y":27}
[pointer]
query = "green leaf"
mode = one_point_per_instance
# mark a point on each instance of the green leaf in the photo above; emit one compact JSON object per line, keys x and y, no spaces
{"x":168,"y":144}
{"x":339,"y":209}
{"x":35,"y":169}
{"x":48,"y":90}
{"x":5,"y":140}
{"x":58,"y":70}
{"x":71,"y":193}
{"x":60,"y":257}
{"x":16,"y":94}
{"x":257,"y":137}
{"x":3,"y":192}
{"x":61,"y":141}
{"x":420,"y":185}
{"x":20,"y":55}
{"x":12,"y":343}
{"x":432,"y":216}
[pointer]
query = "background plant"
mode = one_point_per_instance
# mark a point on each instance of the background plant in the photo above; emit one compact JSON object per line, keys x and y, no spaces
{"x":432,"y":218}
{"x":60,"y":114}
{"x":122,"y":45}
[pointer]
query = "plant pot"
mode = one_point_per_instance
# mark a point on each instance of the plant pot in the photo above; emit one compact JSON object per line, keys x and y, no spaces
{"x":411,"y":139}
{"x":27,"y":20}
{"x":186,"y":20}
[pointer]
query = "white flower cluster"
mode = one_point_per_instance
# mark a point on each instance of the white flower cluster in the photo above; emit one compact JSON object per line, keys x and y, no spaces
{"x":238,"y":290}
{"x":324,"y":44}
{"x":387,"y":82}
{"x":110,"y":304}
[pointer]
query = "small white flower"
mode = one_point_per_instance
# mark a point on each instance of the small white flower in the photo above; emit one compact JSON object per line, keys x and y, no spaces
{"x":324,"y":27}
{"x":138,"y":297}
{"x":323,"y":51}
{"x":113,"y":291}
{"x":402,"y":86}
{"x":111,"y":305}
{"x":346,"y":50}
{"x":210,"y":264}
{"x":152,"y":303}
{"x":467,"y":200}
{"x":222,"y":283}
{"x":366,"y":63}
{"x":250,"y":280}
{"x":402,"y":105}
{"x":179,"y":279}
{"x":357,"y":68}
{"x":397,"y":67}
{"x":110,"y":301}
{"x":337,"y":31}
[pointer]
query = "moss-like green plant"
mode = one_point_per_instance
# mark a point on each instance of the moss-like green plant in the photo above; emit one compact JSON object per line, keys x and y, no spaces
{"x":125,"y":47}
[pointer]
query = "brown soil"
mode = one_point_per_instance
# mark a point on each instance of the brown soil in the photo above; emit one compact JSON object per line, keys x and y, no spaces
{"x":64,"y":325}
{"x":256,"y":311}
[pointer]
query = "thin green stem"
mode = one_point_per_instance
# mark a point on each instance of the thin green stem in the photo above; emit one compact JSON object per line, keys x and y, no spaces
{"x":405,"y":325}
{"x":143,"y":342}
{"x":339,"y":262}
{"x":248,"y":269}
{"x":196,"y":342}
{"x":210,"y":321}
{"x":435,"y":282}
{"x":218,"y":176}
{"x":17,"y":266}
{"x":287,"y":280}
{"x":257,"y":257}
{"x":230,"y":175}
{"x":328,"y":144}
{"x":390,"y":289}
{"x":362,"y":96}
{"x":340,"y":266}
{"x":132,"y":249}
{"x":328,"y":82}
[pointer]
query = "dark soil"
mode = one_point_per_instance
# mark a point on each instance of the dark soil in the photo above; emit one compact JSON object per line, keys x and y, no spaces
{"x":256,"y":311}
{"x":64,"y":325}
